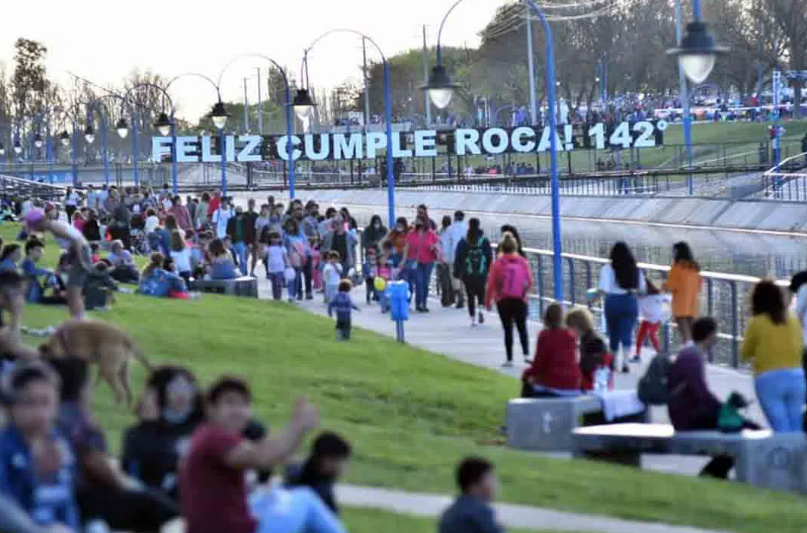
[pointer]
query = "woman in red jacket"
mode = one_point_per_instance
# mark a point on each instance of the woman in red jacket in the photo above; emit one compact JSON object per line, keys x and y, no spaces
{"x":554,"y":371}
{"x":509,"y":285}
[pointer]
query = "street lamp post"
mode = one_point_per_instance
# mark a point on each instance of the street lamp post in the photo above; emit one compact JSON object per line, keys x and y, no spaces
{"x":121,"y":126}
{"x":697,"y":53}
{"x":219,"y":117}
{"x":304,"y":104}
{"x":65,"y":138}
{"x":289,"y":111}
{"x":164,"y":126}
{"x":440,"y":89}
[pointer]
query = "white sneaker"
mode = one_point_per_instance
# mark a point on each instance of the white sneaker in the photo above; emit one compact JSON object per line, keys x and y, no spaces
{"x":507,"y":364}
{"x":473,"y":321}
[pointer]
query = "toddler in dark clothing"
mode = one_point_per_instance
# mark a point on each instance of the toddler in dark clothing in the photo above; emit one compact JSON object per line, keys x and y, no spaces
{"x":343,"y":304}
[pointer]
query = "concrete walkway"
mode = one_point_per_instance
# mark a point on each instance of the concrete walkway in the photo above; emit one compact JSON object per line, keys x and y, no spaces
{"x":508,"y":515}
{"x":448,"y":331}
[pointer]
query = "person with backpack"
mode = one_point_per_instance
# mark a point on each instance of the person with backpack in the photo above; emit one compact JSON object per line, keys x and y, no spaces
{"x":509,"y":286}
{"x":690,"y":403}
{"x":472,"y":261}
{"x":621,"y":282}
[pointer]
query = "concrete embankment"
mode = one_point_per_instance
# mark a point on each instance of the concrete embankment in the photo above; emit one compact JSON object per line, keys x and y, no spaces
{"x":748,"y":215}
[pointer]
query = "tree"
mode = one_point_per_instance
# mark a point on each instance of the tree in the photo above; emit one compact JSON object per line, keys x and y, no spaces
{"x":788,"y":18}
{"x":28,"y":82}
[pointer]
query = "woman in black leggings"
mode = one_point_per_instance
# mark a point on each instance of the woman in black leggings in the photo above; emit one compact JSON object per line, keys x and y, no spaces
{"x":509,"y":285}
{"x":472,"y":264}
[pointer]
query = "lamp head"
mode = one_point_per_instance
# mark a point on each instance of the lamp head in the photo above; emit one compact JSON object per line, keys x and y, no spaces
{"x":38,"y":142}
{"x":219,"y":115}
{"x":163,"y":125}
{"x":2,"y":149}
{"x":440,"y":87}
{"x":303,"y":104}
{"x":17,"y":146}
{"x":89,"y":133}
{"x":697,"y":52}
{"x":64,"y":137}
{"x":122,"y":128}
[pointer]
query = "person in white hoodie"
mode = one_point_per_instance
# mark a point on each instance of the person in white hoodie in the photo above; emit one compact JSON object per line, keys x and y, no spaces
{"x":456,"y":232}
{"x":221,"y":217}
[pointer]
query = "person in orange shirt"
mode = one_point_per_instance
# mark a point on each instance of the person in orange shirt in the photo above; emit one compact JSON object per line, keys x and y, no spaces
{"x":684,"y":283}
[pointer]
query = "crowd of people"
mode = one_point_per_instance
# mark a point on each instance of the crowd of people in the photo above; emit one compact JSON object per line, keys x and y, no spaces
{"x":190,"y":450}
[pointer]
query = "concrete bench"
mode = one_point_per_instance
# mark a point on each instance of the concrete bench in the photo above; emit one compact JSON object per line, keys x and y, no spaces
{"x":245,"y":286}
{"x":546,"y":424}
{"x":762,"y":459}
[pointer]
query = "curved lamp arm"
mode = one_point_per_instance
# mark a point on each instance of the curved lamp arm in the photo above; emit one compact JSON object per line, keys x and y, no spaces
{"x":303,"y":68}
{"x":197,"y":75}
{"x":440,"y":31}
{"x":259,"y":56}
{"x":151,"y":86}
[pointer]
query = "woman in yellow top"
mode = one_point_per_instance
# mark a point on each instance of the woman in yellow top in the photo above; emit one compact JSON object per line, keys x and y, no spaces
{"x":684,"y":283}
{"x":774,"y":344}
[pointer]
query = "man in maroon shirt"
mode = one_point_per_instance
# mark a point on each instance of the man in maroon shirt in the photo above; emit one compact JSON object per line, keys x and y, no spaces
{"x":213,"y":491}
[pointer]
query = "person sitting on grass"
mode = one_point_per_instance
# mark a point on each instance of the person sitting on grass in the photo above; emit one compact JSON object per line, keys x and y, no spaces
{"x":343,"y":304}
{"x":10,"y":256}
{"x":43,"y":482}
{"x":34,"y":249}
{"x":212,"y":490}
{"x":156,"y":281}
{"x":153,"y":448}
{"x":222,"y":265}
{"x":122,"y":263}
{"x":472,"y":512}
{"x":323,"y":468}
{"x":554,"y":371}
{"x":103,"y":491}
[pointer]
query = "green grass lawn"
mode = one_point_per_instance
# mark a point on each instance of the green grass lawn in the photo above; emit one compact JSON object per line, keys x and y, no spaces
{"x":360,"y":520}
{"x":411,"y":414}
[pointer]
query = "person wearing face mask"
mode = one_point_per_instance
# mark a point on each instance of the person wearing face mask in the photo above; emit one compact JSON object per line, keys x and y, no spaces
{"x":310,"y":223}
{"x":397,"y":237}
{"x":373,"y":234}
{"x":420,"y":253}
{"x":326,"y":225}
{"x":342,"y":241}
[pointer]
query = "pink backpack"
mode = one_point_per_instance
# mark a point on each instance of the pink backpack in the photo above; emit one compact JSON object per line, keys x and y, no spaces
{"x":515,"y":279}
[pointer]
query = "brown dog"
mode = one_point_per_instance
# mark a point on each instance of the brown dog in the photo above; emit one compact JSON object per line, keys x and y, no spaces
{"x":97,"y":342}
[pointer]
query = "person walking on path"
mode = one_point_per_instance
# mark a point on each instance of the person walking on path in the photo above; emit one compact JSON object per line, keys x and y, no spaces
{"x":444,"y":279}
{"x":774,"y":344}
{"x":420,"y":253}
{"x":181,"y":213}
{"x":652,"y":307}
{"x":339,"y":240}
{"x":457,"y":232}
{"x":472,"y":263}
{"x":621,"y":282}
{"x":472,"y":512}
{"x":509,"y":285}
{"x":507,"y":228}
{"x":684,"y":283}
{"x":373,"y":234}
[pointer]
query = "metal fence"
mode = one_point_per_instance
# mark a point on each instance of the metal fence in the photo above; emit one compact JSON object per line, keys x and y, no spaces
{"x":724,"y":297}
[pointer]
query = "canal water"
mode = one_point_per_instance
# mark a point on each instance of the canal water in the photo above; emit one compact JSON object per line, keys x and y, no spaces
{"x":753,"y":254}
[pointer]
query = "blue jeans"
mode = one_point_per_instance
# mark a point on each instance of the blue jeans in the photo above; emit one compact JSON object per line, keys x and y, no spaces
{"x":621,"y":313}
{"x":242,"y":251}
{"x":292,"y":285}
{"x":781,"y":395}
{"x":423,"y":275}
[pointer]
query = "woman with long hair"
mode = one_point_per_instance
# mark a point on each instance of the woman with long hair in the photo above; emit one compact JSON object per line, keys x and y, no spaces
{"x":509,"y":286}
{"x":419,"y":255}
{"x":774,"y":344}
{"x":621,"y":282}
{"x":684,"y":282}
{"x":472,"y":262}
{"x":507,"y":228}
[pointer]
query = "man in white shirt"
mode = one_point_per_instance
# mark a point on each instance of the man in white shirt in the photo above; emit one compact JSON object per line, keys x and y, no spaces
{"x":221,"y":216}
{"x":456,"y":232}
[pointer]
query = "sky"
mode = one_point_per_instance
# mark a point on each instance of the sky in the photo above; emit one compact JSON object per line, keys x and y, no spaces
{"x":170,"y":37}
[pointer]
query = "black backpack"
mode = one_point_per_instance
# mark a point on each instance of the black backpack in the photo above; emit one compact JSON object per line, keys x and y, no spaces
{"x":476,"y":264}
{"x":654,"y":386}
